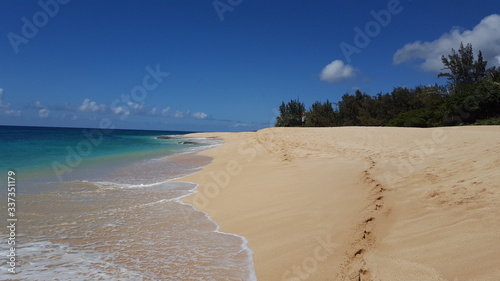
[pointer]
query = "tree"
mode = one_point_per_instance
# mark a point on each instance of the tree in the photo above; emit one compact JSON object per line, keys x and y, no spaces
{"x":423,"y":117}
{"x":322,"y":115}
{"x":472,"y":96}
{"x":431,"y":96}
{"x":494,"y":75}
{"x":475,"y":89}
{"x":349,"y":108}
{"x":473,"y":102}
{"x":462,"y":67}
{"x":290,"y":114}
{"x":368,"y":112}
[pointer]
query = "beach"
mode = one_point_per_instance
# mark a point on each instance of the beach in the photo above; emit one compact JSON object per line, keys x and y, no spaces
{"x":115,"y":214}
{"x":358,"y":203}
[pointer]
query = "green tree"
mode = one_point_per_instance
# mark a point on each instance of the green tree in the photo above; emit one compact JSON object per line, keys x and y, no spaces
{"x":431,"y":96}
{"x":475,"y":89}
{"x":290,"y":114}
{"x":462,"y":68}
{"x":349,"y":108}
{"x":404,"y":100}
{"x":423,"y":117}
{"x":473,"y":102}
{"x":384,"y":108}
{"x":494,"y":75}
{"x":322,"y":115}
{"x":368,"y":112}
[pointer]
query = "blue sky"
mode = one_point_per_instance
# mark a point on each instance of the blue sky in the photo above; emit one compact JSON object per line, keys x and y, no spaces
{"x":222,"y":65}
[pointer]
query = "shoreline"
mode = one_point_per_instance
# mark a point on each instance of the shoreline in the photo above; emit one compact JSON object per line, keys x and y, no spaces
{"x":215,"y":179}
{"x":244,"y":244}
{"x":96,"y":219}
{"x":195,"y":157}
{"x":326,"y":203}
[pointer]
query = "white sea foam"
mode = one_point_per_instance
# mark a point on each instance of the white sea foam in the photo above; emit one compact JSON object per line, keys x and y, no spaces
{"x":203,"y":144}
{"x":115,"y":185}
{"x":44,"y":260}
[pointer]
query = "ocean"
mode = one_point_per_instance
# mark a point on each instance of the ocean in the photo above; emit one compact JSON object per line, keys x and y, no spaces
{"x":94,"y":204}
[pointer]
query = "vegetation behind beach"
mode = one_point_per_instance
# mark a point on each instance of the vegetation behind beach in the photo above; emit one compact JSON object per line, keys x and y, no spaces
{"x":471,"y":96}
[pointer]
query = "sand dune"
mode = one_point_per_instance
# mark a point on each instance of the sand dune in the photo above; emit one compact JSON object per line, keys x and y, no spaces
{"x":359,"y":203}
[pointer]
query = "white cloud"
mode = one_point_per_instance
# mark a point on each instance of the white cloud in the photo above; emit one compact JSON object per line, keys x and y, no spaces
{"x":242,"y":125}
{"x":485,"y":37}
{"x":136,"y":107}
{"x":12,"y":112}
{"x":37,"y":104}
{"x":200,"y":115}
{"x":337,"y":71}
{"x":133,"y":109}
{"x":43,"y":113}
{"x":91,"y":106}
{"x":120,"y":110}
{"x":2,"y":103}
{"x":165,"y":111}
{"x":180,"y":114}
{"x":153,"y":111}
{"x":67,"y":117}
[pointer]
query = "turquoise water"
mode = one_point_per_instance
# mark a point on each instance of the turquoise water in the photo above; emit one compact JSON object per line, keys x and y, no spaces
{"x":36,"y":151}
{"x":102,"y":205}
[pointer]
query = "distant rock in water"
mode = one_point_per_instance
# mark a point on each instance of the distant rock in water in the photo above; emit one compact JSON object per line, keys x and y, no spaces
{"x":188,"y":142}
{"x":166,"y":138}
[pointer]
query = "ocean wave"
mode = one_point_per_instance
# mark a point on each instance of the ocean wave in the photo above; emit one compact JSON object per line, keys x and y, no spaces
{"x":44,"y":260}
{"x":114,"y":185}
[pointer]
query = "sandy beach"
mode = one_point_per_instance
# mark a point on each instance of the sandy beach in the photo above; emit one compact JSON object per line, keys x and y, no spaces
{"x":359,"y":203}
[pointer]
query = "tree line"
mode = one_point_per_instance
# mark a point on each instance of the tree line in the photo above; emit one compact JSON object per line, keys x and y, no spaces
{"x":471,"y":96}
